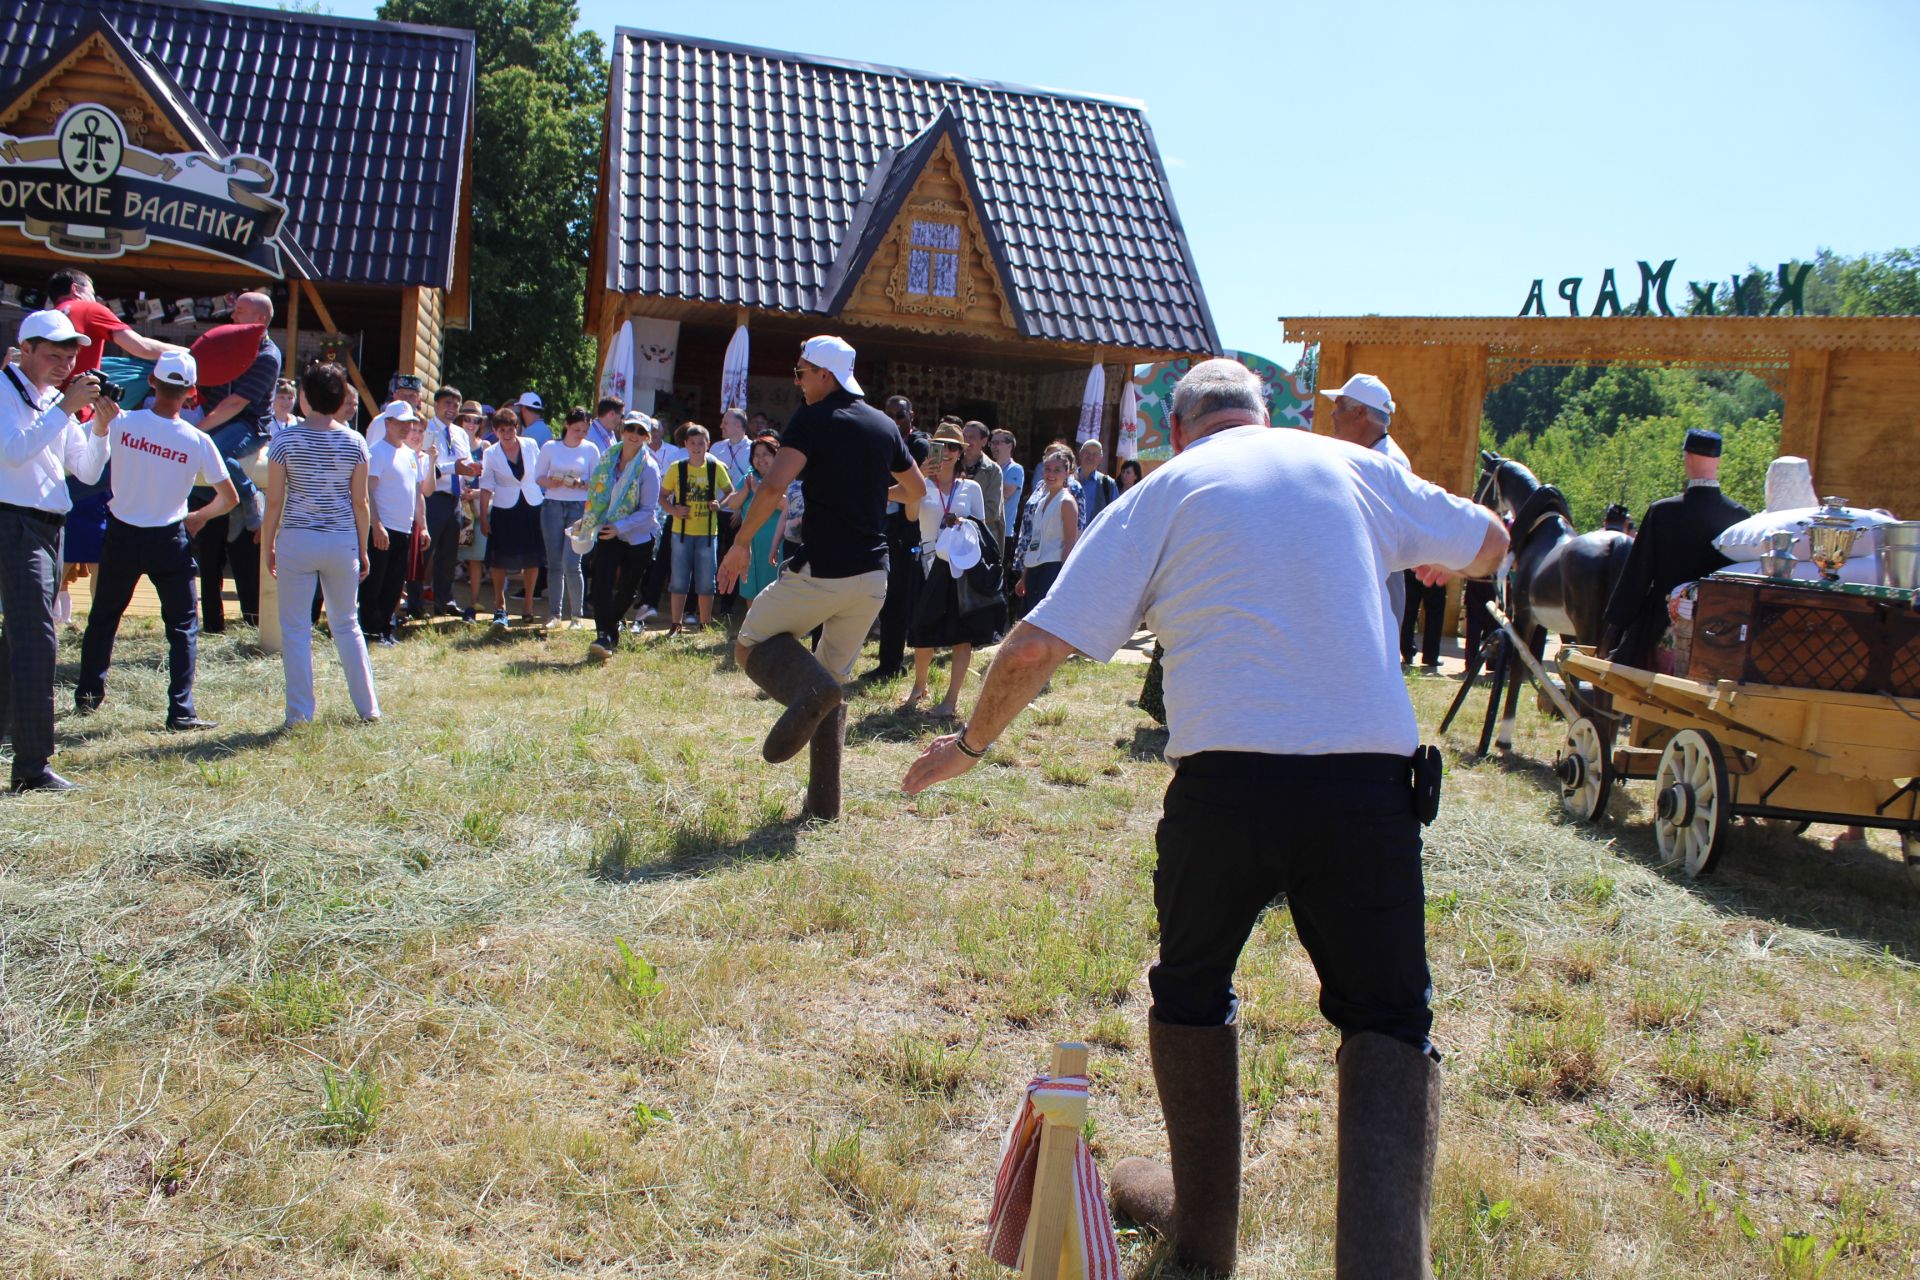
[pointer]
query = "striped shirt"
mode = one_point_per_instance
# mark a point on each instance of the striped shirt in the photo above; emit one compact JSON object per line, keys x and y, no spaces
{"x":319,"y":466}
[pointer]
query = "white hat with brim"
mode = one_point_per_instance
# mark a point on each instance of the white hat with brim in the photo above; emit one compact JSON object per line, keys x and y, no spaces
{"x":175,"y":369}
{"x":1366,"y":389}
{"x":399,"y":411}
{"x":528,"y":400}
{"x":835,"y":355}
{"x":51,"y":326}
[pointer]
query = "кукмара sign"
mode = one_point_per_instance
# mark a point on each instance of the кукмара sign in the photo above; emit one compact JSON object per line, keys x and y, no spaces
{"x":88,"y":192}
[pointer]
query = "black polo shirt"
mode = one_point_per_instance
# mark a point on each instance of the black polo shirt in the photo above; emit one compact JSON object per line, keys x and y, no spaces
{"x":853,"y":452}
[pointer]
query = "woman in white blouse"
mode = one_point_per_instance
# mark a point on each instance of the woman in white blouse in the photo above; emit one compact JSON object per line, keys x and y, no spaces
{"x":511,"y":517}
{"x":562,"y":473}
{"x":942,"y":618}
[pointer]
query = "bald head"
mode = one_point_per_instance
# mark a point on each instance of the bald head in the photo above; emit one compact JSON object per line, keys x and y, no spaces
{"x":253,"y":308}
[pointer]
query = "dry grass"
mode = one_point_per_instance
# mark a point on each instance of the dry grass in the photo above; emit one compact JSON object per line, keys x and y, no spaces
{"x":542,"y":977}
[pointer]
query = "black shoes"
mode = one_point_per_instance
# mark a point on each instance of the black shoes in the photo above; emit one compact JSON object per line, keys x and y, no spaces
{"x":882,"y":673}
{"x":45,"y":780}
{"x":87,"y":703}
{"x":188,"y":724}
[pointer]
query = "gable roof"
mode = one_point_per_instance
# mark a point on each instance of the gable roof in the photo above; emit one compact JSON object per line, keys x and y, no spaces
{"x":762,"y":179}
{"x":366,"y":123}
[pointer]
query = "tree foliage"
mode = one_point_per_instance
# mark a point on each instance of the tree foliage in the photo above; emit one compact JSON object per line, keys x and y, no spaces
{"x":540,"y":96}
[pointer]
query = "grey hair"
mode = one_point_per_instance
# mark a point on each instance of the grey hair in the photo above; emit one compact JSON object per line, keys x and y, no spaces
{"x":1214,"y":385}
{"x":1379,"y":417}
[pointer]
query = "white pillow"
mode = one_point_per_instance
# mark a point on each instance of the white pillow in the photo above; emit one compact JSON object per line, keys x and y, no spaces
{"x":1748,"y":539}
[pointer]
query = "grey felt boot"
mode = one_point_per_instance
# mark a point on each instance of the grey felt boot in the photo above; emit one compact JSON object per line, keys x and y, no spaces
{"x":823,"y":765}
{"x":1389,"y":1129}
{"x":796,"y":680}
{"x":1195,"y":1203}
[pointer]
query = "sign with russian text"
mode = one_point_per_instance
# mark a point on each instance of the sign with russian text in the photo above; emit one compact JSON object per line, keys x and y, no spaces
{"x":88,"y":192}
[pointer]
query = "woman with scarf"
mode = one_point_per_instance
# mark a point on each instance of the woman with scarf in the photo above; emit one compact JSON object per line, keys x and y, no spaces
{"x":941,"y":619}
{"x":621,"y":518}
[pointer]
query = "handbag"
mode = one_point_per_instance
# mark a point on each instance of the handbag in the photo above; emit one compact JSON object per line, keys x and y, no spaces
{"x":979,"y":586}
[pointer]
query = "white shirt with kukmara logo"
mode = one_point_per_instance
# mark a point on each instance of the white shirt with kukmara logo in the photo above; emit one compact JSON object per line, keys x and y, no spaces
{"x":41,"y":444}
{"x":157,"y":462}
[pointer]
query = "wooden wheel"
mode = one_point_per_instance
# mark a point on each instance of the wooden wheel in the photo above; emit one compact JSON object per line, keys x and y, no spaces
{"x":1910,"y":850}
{"x":1693,"y":802}
{"x":1586,"y":774}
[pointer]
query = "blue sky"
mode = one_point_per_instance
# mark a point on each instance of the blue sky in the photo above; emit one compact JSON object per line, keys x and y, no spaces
{"x":1433,"y":159}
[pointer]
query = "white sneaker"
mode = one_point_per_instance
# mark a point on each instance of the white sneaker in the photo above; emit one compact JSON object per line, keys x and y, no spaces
{"x":647,"y":614}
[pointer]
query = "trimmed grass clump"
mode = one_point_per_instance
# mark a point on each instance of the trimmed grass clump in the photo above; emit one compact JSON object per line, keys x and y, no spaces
{"x":546,"y":974}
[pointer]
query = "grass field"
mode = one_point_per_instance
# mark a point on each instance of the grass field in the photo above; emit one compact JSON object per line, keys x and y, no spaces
{"x":541,"y":976}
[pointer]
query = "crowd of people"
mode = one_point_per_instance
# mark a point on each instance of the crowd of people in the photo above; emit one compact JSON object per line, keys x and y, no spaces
{"x":444,"y":506}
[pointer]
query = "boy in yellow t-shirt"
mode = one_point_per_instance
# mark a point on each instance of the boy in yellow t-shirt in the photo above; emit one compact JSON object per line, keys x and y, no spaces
{"x":688,"y":492}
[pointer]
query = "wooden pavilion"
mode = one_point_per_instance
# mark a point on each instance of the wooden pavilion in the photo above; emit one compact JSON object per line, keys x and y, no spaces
{"x":982,"y":245}
{"x":1851,"y":383}
{"x":181,"y":151}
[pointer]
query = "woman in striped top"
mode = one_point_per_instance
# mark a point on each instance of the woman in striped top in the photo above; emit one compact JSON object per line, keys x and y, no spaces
{"x":316,"y":531}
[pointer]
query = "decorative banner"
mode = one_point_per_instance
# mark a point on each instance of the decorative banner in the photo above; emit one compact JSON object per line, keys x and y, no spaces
{"x":656,"y":347}
{"x":1092,"y":402}
{"x":87,"y":192}
{"x":733,"y":372}
{"x":616,"y":379}
{"x":1289,"y":404}
{"x":1128,"y":444}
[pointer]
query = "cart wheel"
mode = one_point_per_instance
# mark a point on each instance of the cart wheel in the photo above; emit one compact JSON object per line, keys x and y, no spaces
{"x":1910,"y":850}
{"x":1693,"y":802}
{"x":1586,"y":775}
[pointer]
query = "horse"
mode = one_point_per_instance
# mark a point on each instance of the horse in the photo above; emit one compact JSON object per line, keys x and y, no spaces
{"x":1558,"y":579}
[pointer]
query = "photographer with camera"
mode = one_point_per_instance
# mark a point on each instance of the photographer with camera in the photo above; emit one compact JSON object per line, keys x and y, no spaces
{"x":41,"y":443}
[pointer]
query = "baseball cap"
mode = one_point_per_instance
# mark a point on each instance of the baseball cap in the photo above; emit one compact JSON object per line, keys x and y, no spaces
{"x":400,"y":411}
{"x":1368,"y":390}
{"x":635,"y":418}
{"x":175,"y":369}
{"x":531,"y":400}
{"x":52,"y":326}
{"x":835,"y":355}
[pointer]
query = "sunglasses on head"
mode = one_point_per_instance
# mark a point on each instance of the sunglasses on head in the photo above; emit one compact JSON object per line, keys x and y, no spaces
{"x":407,"y":382}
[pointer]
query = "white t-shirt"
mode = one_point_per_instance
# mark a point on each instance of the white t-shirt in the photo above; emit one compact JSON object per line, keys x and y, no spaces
{"x":1257,"y":557}
{"x":393,"y":473}
{"x":156,"y":463}
{"x":966,"y":500}
{"x":1396,"y":586}
{"x":559,"y":459}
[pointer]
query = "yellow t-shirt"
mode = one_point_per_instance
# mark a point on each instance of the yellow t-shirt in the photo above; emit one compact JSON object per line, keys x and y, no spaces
{"x":705,"y":484}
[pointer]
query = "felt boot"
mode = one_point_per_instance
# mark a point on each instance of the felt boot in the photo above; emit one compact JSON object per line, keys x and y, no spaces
{"x":1389,"y":1128}
{"x":1195,"y":1202}
{"x":796,"y":680}
{"x":823,"y":765}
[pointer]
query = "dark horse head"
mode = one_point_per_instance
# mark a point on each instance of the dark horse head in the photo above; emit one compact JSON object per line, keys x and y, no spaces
{"x":1560,"y":578}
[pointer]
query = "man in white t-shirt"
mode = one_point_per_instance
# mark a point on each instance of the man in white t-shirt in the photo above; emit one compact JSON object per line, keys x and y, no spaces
{"x":1362,"y":415}
{"x":397,"y":480}
{"x":158,"y":459}
{"x":1256,"y":556}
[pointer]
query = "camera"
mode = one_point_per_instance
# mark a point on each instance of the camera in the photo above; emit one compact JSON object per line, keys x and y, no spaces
{"x":108,"y":390}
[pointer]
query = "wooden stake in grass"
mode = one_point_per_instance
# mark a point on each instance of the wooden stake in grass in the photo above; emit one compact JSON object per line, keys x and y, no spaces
{"x":1049,"y":1213}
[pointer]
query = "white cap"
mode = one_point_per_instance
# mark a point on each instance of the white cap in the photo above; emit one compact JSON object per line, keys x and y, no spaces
{"x":1368,"y":390}
{"x":399,"y":411}
{"x":835,"y":356}
{"x":530,"y":400}
{"x":53,"y":326}
{"x":175,"y":369}
{"x":635,"y":418}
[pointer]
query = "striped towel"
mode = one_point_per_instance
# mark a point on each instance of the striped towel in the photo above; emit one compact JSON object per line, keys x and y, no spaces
{"x":1092,"y":1235}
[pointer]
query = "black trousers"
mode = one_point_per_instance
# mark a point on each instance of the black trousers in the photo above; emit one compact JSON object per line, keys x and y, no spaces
{"x":619,"y":569}
{"x":215,"y":557}
{"x":29,"y":579}
{"x":386,"y":578}
{"x":653,"y":587}
{"x":723,"y":600}
{"x":1434,"y":601}
{"x":1347,"y":857}
{"x":442,"y":558}
{"x":904,"y":579}
{"x":165,"y":556}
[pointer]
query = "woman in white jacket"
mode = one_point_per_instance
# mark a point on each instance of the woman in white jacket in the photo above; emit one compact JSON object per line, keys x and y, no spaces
{"x":510,"y":518}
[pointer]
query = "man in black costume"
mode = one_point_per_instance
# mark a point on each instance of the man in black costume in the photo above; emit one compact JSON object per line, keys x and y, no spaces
{"x":1674,"y":545}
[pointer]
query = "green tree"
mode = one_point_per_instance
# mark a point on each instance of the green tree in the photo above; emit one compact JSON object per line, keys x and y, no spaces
{"x":541,"y":93}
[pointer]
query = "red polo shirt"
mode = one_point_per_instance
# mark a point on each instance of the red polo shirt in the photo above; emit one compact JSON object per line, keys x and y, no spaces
{"x":97,"y":321}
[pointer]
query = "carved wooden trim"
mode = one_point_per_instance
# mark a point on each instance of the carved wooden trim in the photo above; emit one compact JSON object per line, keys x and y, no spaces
{"x":948,"y":214}
{"x":1714,"y":339}
{"x":43,"y":103}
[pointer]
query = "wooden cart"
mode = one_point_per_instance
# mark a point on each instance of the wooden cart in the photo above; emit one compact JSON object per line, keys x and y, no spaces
{"x":1721,"y":750}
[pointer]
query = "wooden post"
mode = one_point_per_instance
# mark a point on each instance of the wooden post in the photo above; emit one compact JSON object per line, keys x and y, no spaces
{"x":372,"y":403}
{"x":1049,"y":1254}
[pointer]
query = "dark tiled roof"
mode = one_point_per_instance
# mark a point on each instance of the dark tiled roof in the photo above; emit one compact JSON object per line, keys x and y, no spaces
{"x":763,"y":179}
{"x":365,"y":122}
